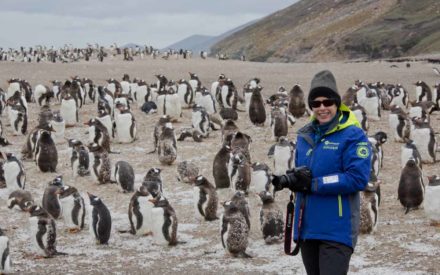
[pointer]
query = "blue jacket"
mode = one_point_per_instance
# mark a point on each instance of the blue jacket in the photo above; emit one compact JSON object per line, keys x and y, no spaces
{"x":340,"y":162}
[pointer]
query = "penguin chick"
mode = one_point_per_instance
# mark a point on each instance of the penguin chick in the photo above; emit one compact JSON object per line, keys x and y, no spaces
{"x":411,"y":187}
{"x":271,"y":219}
{"x":124,"y":175}
{"x":23,"y":199}
{"x":167,"y":150}
{"x":187,"y":171}
{"x":153,"y":182}
{"x":205,"y":198}
{"x":100,"y":220}
{"x":240,"y":201}
{"x":234,"y":230}
{"x":370,"y":200}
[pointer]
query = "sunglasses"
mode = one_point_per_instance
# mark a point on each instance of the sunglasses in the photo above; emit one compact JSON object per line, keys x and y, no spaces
{"x":325,"y":102}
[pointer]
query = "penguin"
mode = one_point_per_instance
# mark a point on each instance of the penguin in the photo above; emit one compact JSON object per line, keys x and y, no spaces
{"x":411,"y":189}
{"x":399,"y":96}
{"x":168,"y":103}
{"x":149,"y":107}
{"x":105,"y":100}
{"x":260,"y":178}
{"x":42,"y":95}
{"x":114,"y":86}
{"x":185,"y":92}
{"x":207,"y":101}
{"x":228,"y":113}
{"x":15,"y":176}
{"x":377,"y":140}
{"x":200,"y":120}
{"x":125,"y":126}
{"x":421,"y":109}
{"x":424,"y":139}
{"x":73,"y":208}
{"x":105,"y":118}
{"x":229,"y":127}
{"x":190,"y":132}
{"x":361,"y":116}
{"x":69,"y":110}
{"x":194,"y":82}
{"x":80,"y":160}
{"x":90,"y":89}
{"x":158,"y":128}
{"x":243,"y":141}
{"x":4,"y":141}
{"x":100,"y":220}
{"x":46,"y":155}
{"x":5,"y":259}
{"x":399,"y":124}
{"x":153,"y":181}
{"x":409,"y":150}
{"x":139,"y":212}
{"x":56,"y":89}
{"x":21,"y":198}
{"x":121,"y":102}
{"x":234,"y":231}
{"x":187,"y":171}
{"x":98,"y":134}
{"x":278,"y":122}
{"x":297,"y":106}
{"x":423,"y":92}
{"x":142,"y":92}
{"x":18,"y":119}
{"x":435,"y":97}
{"x":43,"y":232}
{"x":271,"y":219}
{"x":51,"y":199}
{"x":125,"y":85}
{"x":275,"y":99}
{"x":431,"y":203}
{"x":124,"y":176}
{"x":167,"y":149}
{"x":349,"y":97}
{"x":284,"y":152}
{"x":248,"y":91}
{"x":220,"y":167}
{"x":369,"y":211}
{"x":239,"y":170}
{"x":59,"y":126}
{"x":216,"y":85}
{"x":164,"y":222}
{"x":228,"y":96}
{"x":205,"y":199}
{"x":101,"y":169}
{"x":257,"y":112}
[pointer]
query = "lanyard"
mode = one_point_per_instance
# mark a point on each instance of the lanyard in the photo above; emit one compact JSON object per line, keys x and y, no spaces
{"x":289,"y":227}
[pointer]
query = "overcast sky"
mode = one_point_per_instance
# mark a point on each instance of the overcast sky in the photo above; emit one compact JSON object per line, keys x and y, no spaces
{"x":151,"y":22}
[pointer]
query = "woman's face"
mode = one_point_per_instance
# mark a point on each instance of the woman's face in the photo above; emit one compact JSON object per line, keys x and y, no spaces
{"x":324,"y":113}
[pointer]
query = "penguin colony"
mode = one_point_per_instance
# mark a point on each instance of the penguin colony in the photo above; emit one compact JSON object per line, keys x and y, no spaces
{"x":182,"y":105}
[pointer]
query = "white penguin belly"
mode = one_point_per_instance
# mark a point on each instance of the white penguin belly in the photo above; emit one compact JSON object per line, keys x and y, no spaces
{"x":12,"y":169}
{"x":208,"y":103}
{"x":161,"y":105}
{"x":421,"y":139}
{"x":398,"y":100}
{"x":172,"y":106}
{"x":68,"y":111}
{"x":258,"y":181}
{"x":141,"y":92}
{"x":145,"y":208}
{"x":33,"y":225}
{"x":247,"y":98}
{"x":224,"y":94}
{"x":394,"y":121}
{"x":3,"y":245}
{"x":123,"y":125}
{"x":233,"y":178}
{"x":371,"y":106}
{"x":67,"y":205}
{"x":107,"y":122}
{"x":282,"y":160}
{"x":405,"y":155}
{"x":158,"y":219}
{"x":59,"y":127}
{"x":13,"y":114}
{"x":181,"y":91}
{"x":415,"y":112}
{"x":432,"y":203}
{"x":196,"y":196}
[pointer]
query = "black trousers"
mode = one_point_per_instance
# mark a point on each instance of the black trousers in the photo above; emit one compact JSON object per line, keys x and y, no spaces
{"x":325,"y":257}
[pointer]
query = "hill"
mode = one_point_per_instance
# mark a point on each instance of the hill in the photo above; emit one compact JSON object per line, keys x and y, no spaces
{"x":313,"y":30}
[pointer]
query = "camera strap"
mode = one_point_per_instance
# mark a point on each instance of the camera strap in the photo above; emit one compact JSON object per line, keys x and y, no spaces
{"x":288,"y":232}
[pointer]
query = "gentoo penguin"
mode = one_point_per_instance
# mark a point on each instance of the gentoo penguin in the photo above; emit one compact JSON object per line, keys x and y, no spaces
{"x":228,"y":113}
{"x":297,"y":106}
{"x":361,"y":116}
{"x":260,"y":178}
{"x":46,"y":155}
{"x":153,"y":182}
{"x":411,"y":189}
{"x":98,"y":134}
{"x":5,"y":260}
{"x":248,"y":91}
{"x":229,"y":127}
{"x":409,"y":150}
{"x":168,"y":103}
{"x":228,"y":96}
{"x":432,"y":203}
{"x":51,"y":198}
{"x":125,"y":126}
{"x":283,"y":152}
{"x":90,"y":89}
{"x":369,"y":211}
{"x":207,"y":101}
{"x":139,"y":212}
{"x":73,"y":207}
{"x":56,"y":89}
{"x":257,"y":112}
{"x":234,"y":231}
{"x":200,"y":120}
{"x":399,"y":96}
{"x":124,"y":176}
{"x":421,"y":109}
{"x":370,"y":101}
{"x":21,"y":198}
{"x":349,"y":97}
{"x":100,"y":220}
{"x":188,"y":171}
{"x":278,"y":122}
{"x":271,"y":219}
{"x":167,"y":149}
{"x":281,"y":95}
{"x":18,"y":119}
{"x":59,"y":126}
{"x":220,"y":166}
{"x":423,"y":92}
{"x":15,"y":177}
{"x":163,"y":221}
{"x":400,"y":124}
{"x":424,"y":139}
{"x":43,"y":232}
{"x":142,"y":93}
{"x":185,"y":93}
{"x":194,"y":81}
{"x":377,"y":140}
{"x":42,"y":95}
{"x":149,"y":107}
{"x":216,"y":85}
{"x":158,"y":128}
{"x":190,"y":132}
{"x":436,"y":97}
{"x":105,"y":100}
{"x":205,"y":199}
{"x":101,"y":169}
{"x":239,"y":170}
{"x":80,"y":160}
{"x":243,"y":141}
{"x":69,"y":110}
{"x":105,"y":118}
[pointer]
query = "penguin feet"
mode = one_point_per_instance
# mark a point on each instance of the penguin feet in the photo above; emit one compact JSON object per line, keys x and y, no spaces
{"x":435,"y":224}
{"x":73,"y":230}
{"x":148,"y":234}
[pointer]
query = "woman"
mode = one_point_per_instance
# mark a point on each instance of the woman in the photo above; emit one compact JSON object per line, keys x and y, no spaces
{"x":333,"y":156}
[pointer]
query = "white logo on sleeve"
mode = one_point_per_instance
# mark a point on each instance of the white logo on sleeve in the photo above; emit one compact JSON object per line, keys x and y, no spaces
{"x":330,"y":179}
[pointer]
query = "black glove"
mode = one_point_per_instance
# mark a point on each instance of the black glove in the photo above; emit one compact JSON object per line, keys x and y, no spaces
{"x":297,"y":180}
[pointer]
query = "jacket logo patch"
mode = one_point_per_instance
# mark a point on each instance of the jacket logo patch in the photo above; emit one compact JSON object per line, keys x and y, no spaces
{"x":362,"y":151}
{"x":330,"y":179}
{"x":331,"y":145}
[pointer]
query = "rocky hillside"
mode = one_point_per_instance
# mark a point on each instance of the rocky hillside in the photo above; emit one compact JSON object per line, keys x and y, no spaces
{"x":315,"y":30}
